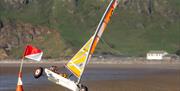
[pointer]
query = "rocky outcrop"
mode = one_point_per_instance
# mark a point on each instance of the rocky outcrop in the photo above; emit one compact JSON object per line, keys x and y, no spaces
{"x":17,"y":35}
{"x":149,"y":7}
{"x":3,"y":54}
{"x":15,"y":4}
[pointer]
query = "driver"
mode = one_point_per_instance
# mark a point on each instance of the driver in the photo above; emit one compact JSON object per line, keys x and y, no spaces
{"x":55,"y":69}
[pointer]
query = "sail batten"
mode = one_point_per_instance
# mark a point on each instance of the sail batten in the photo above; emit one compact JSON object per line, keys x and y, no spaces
{"x":77,"y":64}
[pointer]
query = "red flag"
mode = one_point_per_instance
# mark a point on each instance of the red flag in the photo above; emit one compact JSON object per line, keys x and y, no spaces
{"x":33,"y":53}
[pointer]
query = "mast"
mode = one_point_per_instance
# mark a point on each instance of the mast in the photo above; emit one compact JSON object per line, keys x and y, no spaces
{"x":99,"y":30}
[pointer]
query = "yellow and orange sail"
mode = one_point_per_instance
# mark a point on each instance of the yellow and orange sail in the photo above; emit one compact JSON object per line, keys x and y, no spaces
{"x":77,"y":64}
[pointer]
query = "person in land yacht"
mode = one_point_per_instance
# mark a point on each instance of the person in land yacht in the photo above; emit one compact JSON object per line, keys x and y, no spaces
{"x":55,"y":69}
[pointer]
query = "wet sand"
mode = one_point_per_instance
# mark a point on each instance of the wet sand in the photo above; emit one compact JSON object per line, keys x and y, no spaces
{"x":100,"y":77}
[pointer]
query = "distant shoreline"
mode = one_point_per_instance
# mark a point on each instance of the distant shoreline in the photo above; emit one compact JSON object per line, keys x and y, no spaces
{"x":99,"y":63}
{"x":95,"y":60}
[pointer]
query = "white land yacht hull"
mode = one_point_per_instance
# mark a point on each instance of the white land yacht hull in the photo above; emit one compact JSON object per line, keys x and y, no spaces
{"x":58,"y":79}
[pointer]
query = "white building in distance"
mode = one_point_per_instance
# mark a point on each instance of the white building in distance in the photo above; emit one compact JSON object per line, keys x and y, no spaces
{"x":155,"y":55}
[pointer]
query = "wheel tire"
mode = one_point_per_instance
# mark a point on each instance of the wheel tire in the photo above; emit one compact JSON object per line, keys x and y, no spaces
{"x":38,"y":72}
{"x":83,"y":88}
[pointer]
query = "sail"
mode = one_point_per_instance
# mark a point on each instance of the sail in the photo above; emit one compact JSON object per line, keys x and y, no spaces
{"x":77,"y":64}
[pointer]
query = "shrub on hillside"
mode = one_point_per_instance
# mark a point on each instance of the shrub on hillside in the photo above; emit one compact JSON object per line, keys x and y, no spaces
{"x":178,"y":52}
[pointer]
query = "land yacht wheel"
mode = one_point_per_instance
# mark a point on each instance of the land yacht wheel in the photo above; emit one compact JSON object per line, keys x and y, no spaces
{"x":83,"y":88}
{"x":38,"y":72}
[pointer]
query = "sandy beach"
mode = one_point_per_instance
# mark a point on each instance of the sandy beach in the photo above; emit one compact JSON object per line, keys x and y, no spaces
{"x":100,"y":77}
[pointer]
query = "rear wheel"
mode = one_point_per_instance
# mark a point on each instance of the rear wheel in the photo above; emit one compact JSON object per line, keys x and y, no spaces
{"x":83,"y":88}
{"x":38,"y":72}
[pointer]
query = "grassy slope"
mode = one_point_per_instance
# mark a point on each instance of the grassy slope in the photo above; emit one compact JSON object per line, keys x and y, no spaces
{"x":129,"y":32}
{"x":157,"y":33}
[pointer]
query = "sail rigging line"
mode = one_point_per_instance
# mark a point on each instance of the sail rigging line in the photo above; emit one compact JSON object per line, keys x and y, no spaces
{"x":112,"y":50}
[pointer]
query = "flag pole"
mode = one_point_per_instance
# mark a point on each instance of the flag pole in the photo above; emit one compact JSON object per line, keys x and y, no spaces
{"x":20,"y":83}
{"x":22,"y":61}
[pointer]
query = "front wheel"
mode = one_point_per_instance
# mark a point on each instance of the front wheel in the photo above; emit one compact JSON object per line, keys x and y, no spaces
{"x":38,"y":72}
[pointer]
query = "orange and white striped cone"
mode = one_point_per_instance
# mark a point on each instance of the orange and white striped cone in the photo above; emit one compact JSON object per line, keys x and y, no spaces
{"x":19,"y":84}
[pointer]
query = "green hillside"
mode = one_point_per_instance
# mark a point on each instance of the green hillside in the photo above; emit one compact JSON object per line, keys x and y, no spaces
{"x":136,"y":27}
